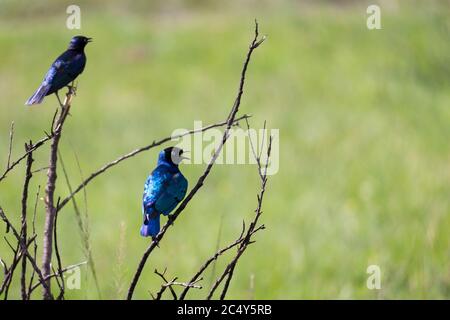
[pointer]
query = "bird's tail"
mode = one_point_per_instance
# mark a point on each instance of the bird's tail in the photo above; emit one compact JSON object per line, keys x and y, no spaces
{"x":150,"y":227}
{"x":39,"y":95}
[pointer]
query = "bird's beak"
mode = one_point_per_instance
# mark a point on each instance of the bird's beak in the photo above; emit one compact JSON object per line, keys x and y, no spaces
{"x":185,"y":158}
{"x":89,"y":40}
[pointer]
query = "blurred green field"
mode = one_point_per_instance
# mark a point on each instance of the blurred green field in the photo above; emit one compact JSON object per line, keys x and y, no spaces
{"x":364,"y":120}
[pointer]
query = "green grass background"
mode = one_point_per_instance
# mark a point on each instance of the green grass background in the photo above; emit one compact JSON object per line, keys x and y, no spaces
{"x":364,"y":120}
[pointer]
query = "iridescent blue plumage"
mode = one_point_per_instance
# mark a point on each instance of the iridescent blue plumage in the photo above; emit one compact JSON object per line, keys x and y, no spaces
{"x":164,"y":189}
{"x":63,"y":71}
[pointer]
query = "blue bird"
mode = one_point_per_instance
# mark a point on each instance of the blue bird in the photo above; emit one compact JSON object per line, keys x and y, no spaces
{"x":164,"y":189}
{"x":63,"y":71}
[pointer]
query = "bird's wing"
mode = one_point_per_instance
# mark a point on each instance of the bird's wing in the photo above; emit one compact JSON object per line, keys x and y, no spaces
{"x":174,"y":191}
{"x":153,"y":188}
{"x":74,"y":63}
{"x":65,"y":69}
{"x":57,"y":67}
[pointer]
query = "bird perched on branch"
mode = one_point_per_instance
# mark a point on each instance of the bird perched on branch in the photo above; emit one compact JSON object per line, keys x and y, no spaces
{"x":63,"y":71}
{"x":164,"y":189}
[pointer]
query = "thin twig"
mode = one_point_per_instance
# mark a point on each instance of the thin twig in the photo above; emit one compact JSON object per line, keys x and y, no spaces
{"x":139,"y":150}
{"x":33,"y":223}
{"x":170,"y":284}
{"x":229,"y":270}
{"x":10,"y":245}
{"x":11,"y":137}
{"x":212,"y":259}
{"x":183,"y":284}
{"x":60,"y":286}
{"x":161,"y":291}
{"x":58,"y":256}
{"x":37,"y":145}
{"x":24,"y":248}
{"x":9,"y":272}
{"x":162,"y":276}
{"x":53,"y":275}
{"x":23,"y":232}
{"x":230,"y":120}
{"x":22,"y":239}
{"x":40,"y":169}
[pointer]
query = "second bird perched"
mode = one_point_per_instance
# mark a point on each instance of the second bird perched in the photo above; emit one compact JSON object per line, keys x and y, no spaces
{"x":63,"y":71}
{"x":164,"y":189}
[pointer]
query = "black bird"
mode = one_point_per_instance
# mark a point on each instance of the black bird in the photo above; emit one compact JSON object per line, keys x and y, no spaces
{"x":63,"y":71}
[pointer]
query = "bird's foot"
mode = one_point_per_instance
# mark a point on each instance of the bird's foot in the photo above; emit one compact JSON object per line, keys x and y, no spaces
{"x":59,"y":100}
{"x":72,"y":88}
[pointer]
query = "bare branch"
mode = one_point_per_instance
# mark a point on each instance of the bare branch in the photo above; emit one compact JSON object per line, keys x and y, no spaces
{"x":23,"y":247}
{"x":9,"y":272}
{"x":53,"y":275}
{"x":10,"y":245}
{"x":34,"y":242}
{"x":36,"y":146}
{"x":229,"y":270}
{"x":139,"y":150}
{"x":213,"y":258}
{"x":161,"y":291}
{"x":162,"y":275}
{"x":183,"y":284}
{"x":227,"y":282}
{"x":17,"y":255}
{"x":170,"y":284}
{"x":230,"y":120}
{"x":11,"y":137}
{"x":50,"y":190}
{"x":39,"y":170}
{"x":58,"y":256}
{"x":60,"y":285}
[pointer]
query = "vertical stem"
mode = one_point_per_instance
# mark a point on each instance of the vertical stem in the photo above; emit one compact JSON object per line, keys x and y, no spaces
{"x":227,"y":283}
{"x":50,"y":208}
{"x":11,"y":137}
{"x":23,"y":233}
{"x":58,"y":257}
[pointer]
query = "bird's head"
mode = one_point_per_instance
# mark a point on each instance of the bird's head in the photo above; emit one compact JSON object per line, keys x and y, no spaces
{"x":172,"y":156}
{"x":79,"y":42}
